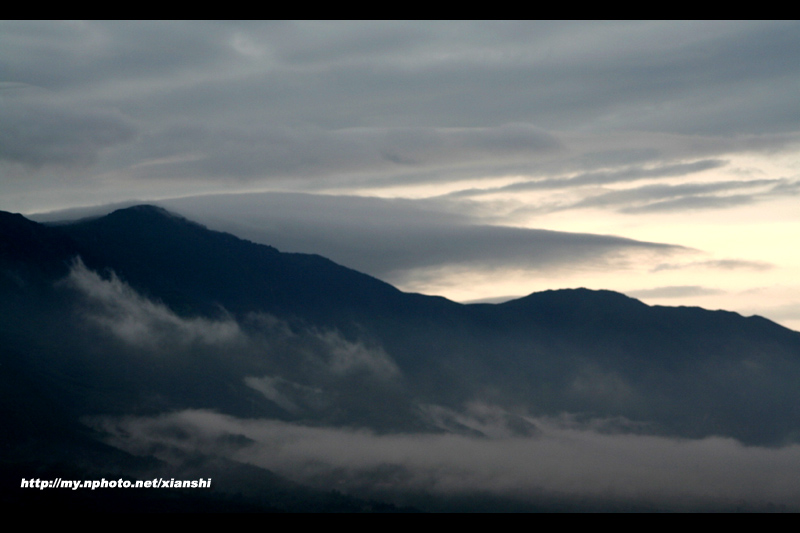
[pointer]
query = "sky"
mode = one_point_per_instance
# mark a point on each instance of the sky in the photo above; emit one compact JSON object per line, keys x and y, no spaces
{"x":476,"y":160}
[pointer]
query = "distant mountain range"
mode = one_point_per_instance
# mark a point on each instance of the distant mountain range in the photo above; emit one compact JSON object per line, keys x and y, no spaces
{"x":142,"y":312}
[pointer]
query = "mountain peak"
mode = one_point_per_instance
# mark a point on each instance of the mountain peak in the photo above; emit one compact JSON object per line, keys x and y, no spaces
{"x":146,"y":217}
{"x":573,"y":297}
{"x":148,"y":210}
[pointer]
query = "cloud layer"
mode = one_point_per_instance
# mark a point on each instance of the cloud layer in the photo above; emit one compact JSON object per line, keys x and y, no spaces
{"x":330,"y":104}
{"x":38,"y":130}
{"x":396,"y":240}
{"x":564,"y":459}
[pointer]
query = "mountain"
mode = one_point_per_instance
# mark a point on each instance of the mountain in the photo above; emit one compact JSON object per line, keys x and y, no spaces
{"x":143,"y":313}
{"x":194,"y":269}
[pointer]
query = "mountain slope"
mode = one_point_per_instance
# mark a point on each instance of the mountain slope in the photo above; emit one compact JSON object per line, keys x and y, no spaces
{"x":194,"y":269}
{"x":596,"y":352}
{"x":144,"y":313}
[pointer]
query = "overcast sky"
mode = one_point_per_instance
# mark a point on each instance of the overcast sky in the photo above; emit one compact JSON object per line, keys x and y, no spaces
{"x":469,"y":159}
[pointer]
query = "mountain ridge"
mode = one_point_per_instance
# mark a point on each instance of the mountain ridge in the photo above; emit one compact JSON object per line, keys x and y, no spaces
{"x":162,"y":317}
{"x":578,"y":350}
{"x":153,"y":210}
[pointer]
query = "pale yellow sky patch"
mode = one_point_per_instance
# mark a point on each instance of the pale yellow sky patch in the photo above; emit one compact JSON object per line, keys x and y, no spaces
{"x":763,"y":233}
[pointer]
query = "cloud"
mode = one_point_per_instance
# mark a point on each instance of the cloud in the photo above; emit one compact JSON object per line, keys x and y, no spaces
{"x":306,"y":372}
{"x":675,"y":291}
{"x":391,"y":238}
{"x":562,"y":457}
{"x":285,"y":393}
{"x":651,"y":198}
{"x":659,"y":196}
{"x":690,"y":203}
{"x":404,"y":241}
{"x":312,"y":105}
{"x":194,"y":150}
{"x":39,"y":131}
{"x":89,"y":55}
{"x":666,"y":197}
{"x":598,"y":178}
{"x":722,"y":264}
{"x":138,"y":321}
{"x":348,"y":357}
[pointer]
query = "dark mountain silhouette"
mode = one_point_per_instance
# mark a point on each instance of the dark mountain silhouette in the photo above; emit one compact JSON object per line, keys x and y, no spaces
{"x":169,"y":315}
{"x":194,"y":270}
